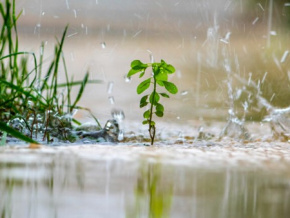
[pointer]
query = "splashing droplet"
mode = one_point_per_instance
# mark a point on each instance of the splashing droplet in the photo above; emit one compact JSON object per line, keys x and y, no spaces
{"x":111,"y":100}
{"x":184,"y":92}
{"x":110,"y":87}
{"x":103,"y":45}
{"x":118,"y":115}
{"x":127,"y":79}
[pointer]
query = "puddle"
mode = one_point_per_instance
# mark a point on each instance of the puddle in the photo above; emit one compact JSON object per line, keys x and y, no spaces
{"x":184,"y":180}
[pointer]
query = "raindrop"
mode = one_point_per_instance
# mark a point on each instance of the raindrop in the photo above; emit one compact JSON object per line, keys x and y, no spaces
{"x":43,"y":13}
{"x":184,"y":92}
{"x":284,"y":56}
{"x":273,"y":33}
{"x":67,"y":5}
{"x":178,"y":117}
{"x":259,"y":4}
{"x":271,"y":99}
{"x":250,"y":78}
{"x":72,"y":56}
{"x":255,"y":21}
{"x":137,"y":33}
{"x":111,"y":100}
{"x":73,"y":34}
{"x":75,"y":13}
{"x":264,"y":77}
{"x":103,"y":45}
{"x":127,"y":79}
{"x":110,"y":87}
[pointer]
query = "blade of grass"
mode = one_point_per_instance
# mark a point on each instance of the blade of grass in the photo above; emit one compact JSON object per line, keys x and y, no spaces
{"x":81,"y":90}
{"x":14,"y":133}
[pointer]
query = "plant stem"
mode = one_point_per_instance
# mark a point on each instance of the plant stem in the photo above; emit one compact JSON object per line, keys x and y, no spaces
{"x":152,"y":127}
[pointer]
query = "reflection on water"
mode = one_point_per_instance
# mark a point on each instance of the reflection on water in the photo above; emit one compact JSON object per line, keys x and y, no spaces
{"x":104,"y":182}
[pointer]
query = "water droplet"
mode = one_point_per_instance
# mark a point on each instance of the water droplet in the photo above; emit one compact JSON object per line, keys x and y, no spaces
{"x":103,"y":45}
{"x":30,"y":104}
{"x":284,"y":56}
{"x":118,"y":115}
{"x":111,"y":100}
{"x":178,"y":117}
{"x":43,"y":13}
{"x":110,"y":87}
{"x":127,"y":79}
{"x":75,"y":13}
{"x":184,"y":92}
{"x":121,"y":135}
{"x":255,"y":21}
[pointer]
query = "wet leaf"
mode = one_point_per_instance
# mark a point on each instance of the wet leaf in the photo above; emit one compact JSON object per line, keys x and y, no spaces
{"x":170,"y":87}
{"x":159,"y":82}
{"x":143,"y":86}
{"x":142,"y":74}
{"x":146,"y":114}
{"x":164,"y":95}
{"x":162,"y":76}
{"x":159,"y":113}
{"x":138,"y":65}
{"x":159,"y":107}
{"x":132,"y":72}
{"x":169,"y":69}
{"x":143,"y":101}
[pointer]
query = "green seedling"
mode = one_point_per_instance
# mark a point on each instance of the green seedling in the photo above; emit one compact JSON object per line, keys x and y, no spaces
{"x":159,"y":77}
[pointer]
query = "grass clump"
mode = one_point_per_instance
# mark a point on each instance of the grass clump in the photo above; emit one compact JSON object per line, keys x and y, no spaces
{"x":32,"y":106}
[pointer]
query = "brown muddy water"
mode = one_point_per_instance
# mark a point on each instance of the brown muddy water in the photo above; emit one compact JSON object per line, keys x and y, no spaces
{"x":179,"y":177}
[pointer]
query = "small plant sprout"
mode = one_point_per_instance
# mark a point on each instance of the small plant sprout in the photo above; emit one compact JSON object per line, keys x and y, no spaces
{"x":159,"y":77}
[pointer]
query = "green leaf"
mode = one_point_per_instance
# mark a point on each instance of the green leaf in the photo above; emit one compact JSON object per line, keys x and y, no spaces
{"x":142,"y":74}
{"x":170,"y":87}
{"x":159,"y":107}
{"x":162,"y":76}
{"x":159,"y":82}
{"x":145,"y":122}
{"x":164,"y":95}
{"x":143,"y":86}
{"x":132,"y":72}
{"x":143,"y":101}
{"x":159,"y":113}
{"x":169,"y":69}
{"x":156,"y":98}
{"x":138,"y":65}
{"x":146,"y":114}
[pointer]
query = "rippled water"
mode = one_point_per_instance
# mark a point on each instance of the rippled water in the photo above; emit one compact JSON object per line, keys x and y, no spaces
{"x":193,"y":178}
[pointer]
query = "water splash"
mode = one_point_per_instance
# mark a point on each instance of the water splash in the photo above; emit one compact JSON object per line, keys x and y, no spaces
{"x":235,"y":127}
{"x":119,"y":116}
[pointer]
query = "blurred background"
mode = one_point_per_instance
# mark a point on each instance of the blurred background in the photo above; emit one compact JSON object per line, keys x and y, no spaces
{"x":211,"y":43}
